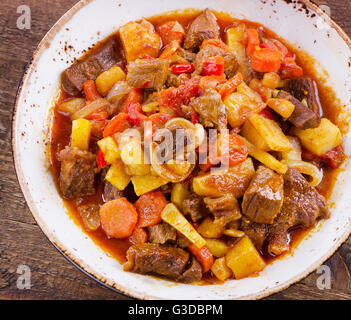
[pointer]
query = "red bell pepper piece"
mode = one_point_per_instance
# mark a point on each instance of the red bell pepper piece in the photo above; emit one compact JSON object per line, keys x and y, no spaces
{"x":182,"y":68}
{"x":101,"y":162}
{"x":213,"y":66}
{"x":135,"y":114}
{"x":119,"y":123}
{"x":266,"y":113}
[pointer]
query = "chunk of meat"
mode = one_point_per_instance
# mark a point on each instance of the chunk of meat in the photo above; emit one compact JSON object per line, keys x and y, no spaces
{"x":90,"y":67}
{"x":211,"y":109}
{"x":147,"y":73}
{"x":193,"y":273}
{"x":264,"y":197}
{"x":187,"y":55}
{"x":90,"y":216}
{"x":302,"y":117}
{"x":149,"y":258}
{"x":195,"y":208}
{"x":203,"y":27}
{"x":111,"y":192}
{"x":257,"y":232}
{"x":77,"y":175}
{"x":225,"y":209}
{"x":302,"y":205}
{"x":208,"y":50}
{"x":162,"y":233}
{"x":174,"y":80}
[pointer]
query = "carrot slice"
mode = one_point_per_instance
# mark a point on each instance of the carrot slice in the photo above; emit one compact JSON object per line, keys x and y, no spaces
{"x":228,"y":87}
{"x":150,"y":206}
{"x":253,"y":41}
{"x":138,"y":236}
{"x":119,"y":123}
{"x":215,"y":42}
{"x":203,"y":255}
{"x":118,"y":218}
{"x":135,"y":95}
{"x":90,"y":90}
{"x":266,"y":60}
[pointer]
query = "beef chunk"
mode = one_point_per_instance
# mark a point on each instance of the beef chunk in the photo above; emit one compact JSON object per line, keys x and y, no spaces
{"x":147,"y":73}
{"x":77,"y":174}
{"x":257,"y":233}
{"x":149,"y":258}
{"x":195,"y":208}
{"x":111,"y":192}
{"x":186,"y":55}
{"x":302,"y":205}
{"x":207,"y":51}
{"x":162,"y":233}
{"x":193,"y":273}
{"x":225,"y":209}
{"x":90,"y":216}
{"x":211,"y":109}
{"x":90,"y":67}
{"x":203,"y":27}
{"x":174,"y":80}
{"x":264,"y":197}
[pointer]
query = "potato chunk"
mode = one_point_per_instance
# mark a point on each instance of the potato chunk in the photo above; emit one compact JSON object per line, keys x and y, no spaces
{"x":321,"y":139}
{"x":139,"y":40}
{"x":106,"y":80}
{"x":117,"y":176}
{"x":81,"y":130}
{"x":144,"y":184}
{"x":243,"y":259}
{"x":233,"y":180}
{"x":109,"y":149}
{"x":221,"y":270}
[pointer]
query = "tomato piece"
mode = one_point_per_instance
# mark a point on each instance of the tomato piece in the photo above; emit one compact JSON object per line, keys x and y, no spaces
{"x":335,"y":157}
{"x":136,"y":114}
{"x":159,"y":119}
{"x":90,"y":90}
{"x":266,"y":60}
{"x":229,"y":86}
{"x":101,"y":162}
{"x":215,"y":42}
{"x":203,"y":255}
{"x":267,"y":114}
{"x":119,"y":123}
{"x":237,"y":149}
{"x":182,"y":68}
{"x":290,"y":69}
{"x":213,"y":66}
{"x":170,"y":50}
{"x":253,"y":41}
{"x":171,"y":31}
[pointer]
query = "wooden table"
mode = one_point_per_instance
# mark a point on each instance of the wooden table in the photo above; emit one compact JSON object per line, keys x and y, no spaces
{"x":21,"y":240}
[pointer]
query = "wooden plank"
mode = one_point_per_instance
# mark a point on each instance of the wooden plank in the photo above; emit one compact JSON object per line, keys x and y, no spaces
{"x":21,"y":240}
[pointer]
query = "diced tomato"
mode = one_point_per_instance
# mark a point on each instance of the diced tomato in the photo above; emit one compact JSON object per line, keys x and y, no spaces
{"x":237,"y":149}
{"x":215,"y":42}
{"x":213,"y":66}
{"x":204,"y":256}
{"x":228,"y":87}
{"x":182,"y":68}
{"x":171,"y":31}
{"x":267,"y":114}
{"x":266,"y":60}
{"x":159,"y":119}
{"x":101,"y":162}
{"x":290,"y":69}
{"x":119,"y":123}
{"x":170,"y":50}
{"x":135,"y":114}
{"x":253,"y":41}
{"x":90,"y":90}
{"x":335,"y":157}
{"x":135,"y":95}
{"x":194,"y":117}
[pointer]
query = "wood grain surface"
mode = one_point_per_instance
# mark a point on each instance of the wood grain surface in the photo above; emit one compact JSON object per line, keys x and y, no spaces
{"x":21,"y":240}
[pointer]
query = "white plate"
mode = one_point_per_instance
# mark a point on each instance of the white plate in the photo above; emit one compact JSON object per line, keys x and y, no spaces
{"x":91,"y":21}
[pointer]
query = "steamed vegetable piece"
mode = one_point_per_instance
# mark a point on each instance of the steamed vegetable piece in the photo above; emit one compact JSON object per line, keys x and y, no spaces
{"x":106,"y":80}
{"x":71,"y":106}
{"x":281,"y":106}
{"x":322,"y":139}
{"x":95,"y":106}
{"x":233,"y":180}
{"x":117,"y":175}
{"x":217,"y":247}
{"x":203,"y":255}
{"x":179,"y":194}
{"x":266,"y":158}
{"x":210,"y":228}
{"x":109,"y":149}
{"x":221,"y":270}
{"x":270,"y":132}
{"x":118,"y":218}
{"x":139,"y":39}
{"x":147,"y":183}
{"x":149,"y":207}
{"x":81,"y":130}
{"x":174,"y":217}
{"x":243,"y":259}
